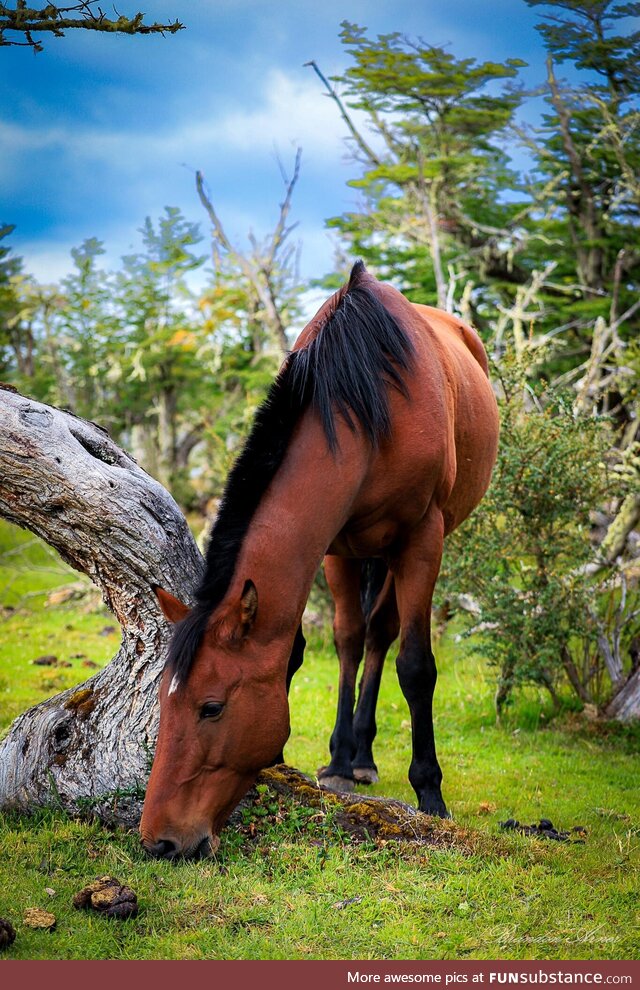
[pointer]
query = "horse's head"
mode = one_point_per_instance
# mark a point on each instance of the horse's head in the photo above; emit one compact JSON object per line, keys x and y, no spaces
{"x":221,"y":721}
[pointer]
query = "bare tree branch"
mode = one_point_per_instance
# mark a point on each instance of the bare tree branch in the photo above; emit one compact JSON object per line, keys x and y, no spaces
{"x":366,"y":149}
{"x":260,"y":268}
{"x":52,"y":19}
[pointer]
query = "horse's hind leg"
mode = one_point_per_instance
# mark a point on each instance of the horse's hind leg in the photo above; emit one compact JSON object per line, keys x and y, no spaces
{"x":343,"y":578}
{"x":382,"y":628}
{"x":416,"y":570}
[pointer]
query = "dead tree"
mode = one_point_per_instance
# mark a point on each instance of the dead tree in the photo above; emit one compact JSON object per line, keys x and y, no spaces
{"x":269,"y":270}
{"x":65,"y":480}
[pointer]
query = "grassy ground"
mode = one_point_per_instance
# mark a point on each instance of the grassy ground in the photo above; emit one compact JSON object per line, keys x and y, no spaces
{"x":79,"y":632}
{"x":289,"y":884}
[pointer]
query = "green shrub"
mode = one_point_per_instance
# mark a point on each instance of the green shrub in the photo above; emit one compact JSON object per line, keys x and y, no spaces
{"x":523,"y":554}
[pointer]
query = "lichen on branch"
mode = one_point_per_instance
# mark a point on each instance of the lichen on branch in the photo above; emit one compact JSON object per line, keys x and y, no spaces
{"x":26,"y":21}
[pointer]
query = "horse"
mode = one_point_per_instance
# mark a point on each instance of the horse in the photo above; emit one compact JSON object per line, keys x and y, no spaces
{"x":377,"y":439}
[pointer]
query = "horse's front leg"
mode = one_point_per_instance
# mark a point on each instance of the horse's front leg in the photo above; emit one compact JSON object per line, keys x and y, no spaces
{"x":416,"y":570}
{"x":343,"y":578}
{"x":295,"y":663}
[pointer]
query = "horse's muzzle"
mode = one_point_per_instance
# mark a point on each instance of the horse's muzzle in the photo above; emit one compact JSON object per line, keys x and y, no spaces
{"x":169,"y":849}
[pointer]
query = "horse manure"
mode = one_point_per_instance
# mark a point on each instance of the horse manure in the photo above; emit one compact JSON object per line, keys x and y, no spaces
{"x":108,"y":897}
{"x":37,"y":918}
{"x":545,"y":829}
{"x":7,"y":934}
{"x":48,"y":660}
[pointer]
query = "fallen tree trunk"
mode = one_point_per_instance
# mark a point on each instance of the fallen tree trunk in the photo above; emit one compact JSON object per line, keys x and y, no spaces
{"x":65,"y":480}
{"x":369,"y":818}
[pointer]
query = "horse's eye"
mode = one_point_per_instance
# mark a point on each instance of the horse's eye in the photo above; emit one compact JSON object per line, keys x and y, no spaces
{"x":212,"y":709}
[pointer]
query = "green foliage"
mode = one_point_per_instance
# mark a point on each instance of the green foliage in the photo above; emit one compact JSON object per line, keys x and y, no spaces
{"x":574,"y":31}
{"x":10,"y":273}
{"x":587,"y":158}
{"x":444,"y":215}
{"x":437,"y":162}
{"x":173,"y":377}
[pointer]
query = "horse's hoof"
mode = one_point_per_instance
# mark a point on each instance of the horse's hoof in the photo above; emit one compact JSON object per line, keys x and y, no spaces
{"x":434,"y":807}
{"x":437,"y":813}
{"x":365,"y":775}
{"x":336,"y":783}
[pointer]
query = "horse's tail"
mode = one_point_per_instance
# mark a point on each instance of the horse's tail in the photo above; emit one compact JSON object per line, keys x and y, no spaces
{"x":372,"y":577}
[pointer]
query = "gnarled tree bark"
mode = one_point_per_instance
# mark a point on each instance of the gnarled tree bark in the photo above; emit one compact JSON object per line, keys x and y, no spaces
{"x":625,"y":705}
{"x":65,"y":480}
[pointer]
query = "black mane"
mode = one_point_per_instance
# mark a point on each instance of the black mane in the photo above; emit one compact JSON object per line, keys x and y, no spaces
{"x":347,"y":369}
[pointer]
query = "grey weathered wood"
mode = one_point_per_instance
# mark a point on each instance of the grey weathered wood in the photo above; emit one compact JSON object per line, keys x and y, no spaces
{"x":67,"y":481}
{"x":625,"y":705}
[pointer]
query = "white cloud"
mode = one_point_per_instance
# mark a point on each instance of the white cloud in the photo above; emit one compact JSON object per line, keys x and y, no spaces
{"x":102,"y":181}
{"x":293,"y":112}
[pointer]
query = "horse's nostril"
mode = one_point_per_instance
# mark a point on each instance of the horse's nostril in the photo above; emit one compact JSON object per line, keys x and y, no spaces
{"x":164,"y":849}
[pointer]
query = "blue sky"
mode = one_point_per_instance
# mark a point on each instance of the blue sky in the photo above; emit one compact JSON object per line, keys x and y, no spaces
{"x":100,"y":131}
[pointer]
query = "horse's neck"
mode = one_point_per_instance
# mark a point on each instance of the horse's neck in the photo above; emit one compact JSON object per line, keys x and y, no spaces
{"x":306,"y":505}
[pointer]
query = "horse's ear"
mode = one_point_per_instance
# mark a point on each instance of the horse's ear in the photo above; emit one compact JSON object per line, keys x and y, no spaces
{"x":248,"y":606}
{"x":172,"y":608}
{"x":240,"y":618}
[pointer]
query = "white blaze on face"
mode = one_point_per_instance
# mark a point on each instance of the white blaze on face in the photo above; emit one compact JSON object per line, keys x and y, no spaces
{"x":174,"y":684}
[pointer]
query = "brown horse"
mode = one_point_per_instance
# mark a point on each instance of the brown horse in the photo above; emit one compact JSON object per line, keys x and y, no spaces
{"x":378,"y":438}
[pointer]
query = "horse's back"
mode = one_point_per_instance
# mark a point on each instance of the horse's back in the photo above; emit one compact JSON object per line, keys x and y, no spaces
{"x":451,"y":325}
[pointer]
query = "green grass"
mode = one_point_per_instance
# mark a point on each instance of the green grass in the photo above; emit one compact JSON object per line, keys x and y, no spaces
{"x":74,"y":632}
{"x":273,"y":890}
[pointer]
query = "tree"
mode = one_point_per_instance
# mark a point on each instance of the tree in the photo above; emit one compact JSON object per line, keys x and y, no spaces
{"x":55,"y":20}
{"x":10,"y":269}
{"x":587,"y":156}
{"x":265,"y":281}
{"x":249,"y":307}
{"x":173,"y":374}
{"x":433,"y":170}
{"x":64,"y":479}
{"x":159,"y":361}
{"x":130,"y":347}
